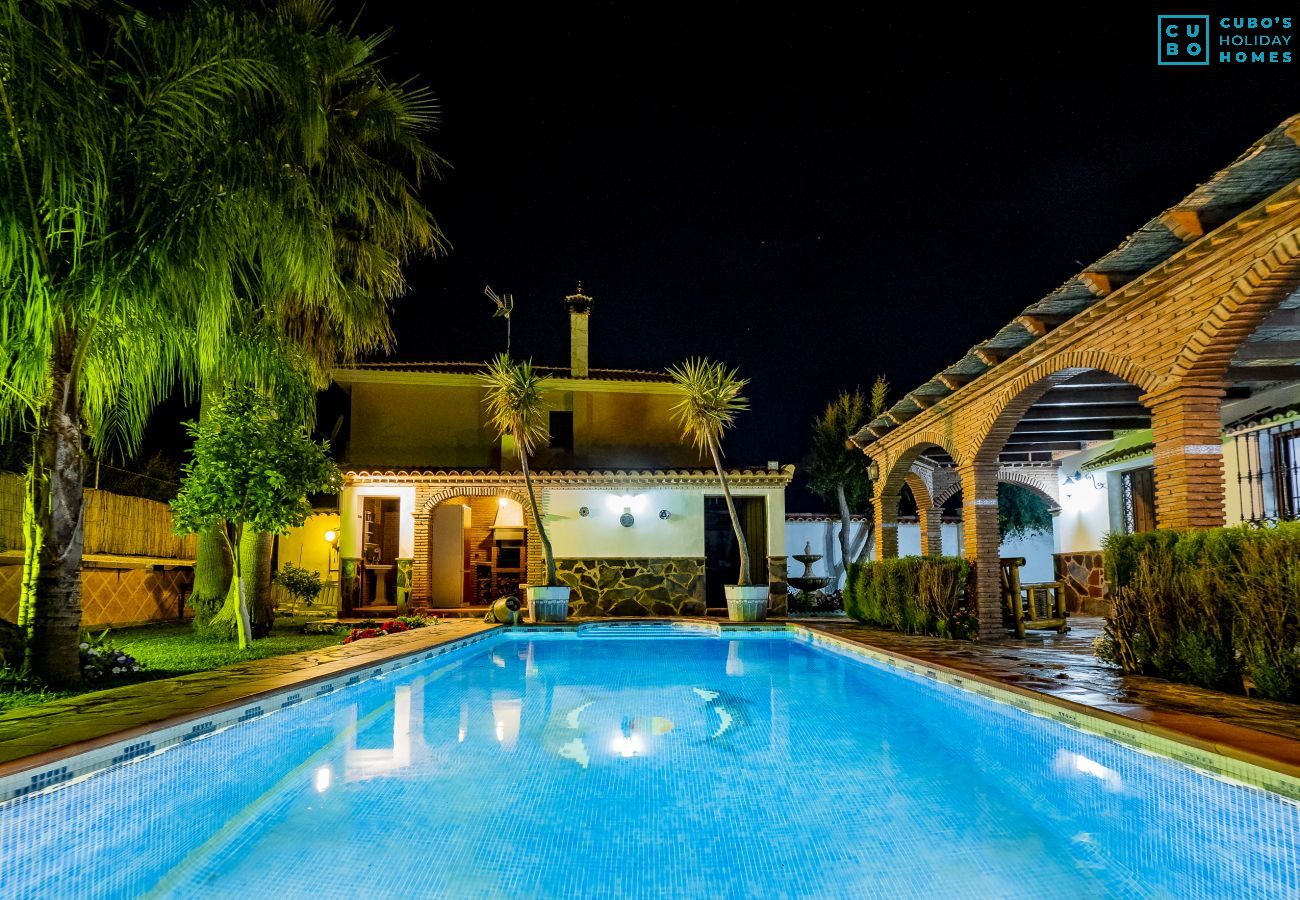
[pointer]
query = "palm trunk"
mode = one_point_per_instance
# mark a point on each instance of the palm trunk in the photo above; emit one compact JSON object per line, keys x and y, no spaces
{"x":255,"y":550}
{"x":735,"y":519}
{"x":53,"y":613}
{"x":547,"y":555}
{"x":212,"y":564}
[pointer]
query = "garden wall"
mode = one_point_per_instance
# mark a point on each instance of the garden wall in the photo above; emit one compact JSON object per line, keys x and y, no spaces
{"x":137,"y":569}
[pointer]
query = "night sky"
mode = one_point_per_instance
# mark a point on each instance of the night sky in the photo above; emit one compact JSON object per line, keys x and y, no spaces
{"x":814,"y":196}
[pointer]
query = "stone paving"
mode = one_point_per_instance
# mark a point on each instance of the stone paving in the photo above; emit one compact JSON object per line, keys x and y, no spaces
{"x":34,"y":735}
{"x":1064,"y":667}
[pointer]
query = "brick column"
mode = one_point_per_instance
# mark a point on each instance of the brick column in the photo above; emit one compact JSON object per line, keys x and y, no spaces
{"x":931,"y":536}
{"x":1187,"y":430}
{"x":981,"y":538}
{"x":886,"y":526}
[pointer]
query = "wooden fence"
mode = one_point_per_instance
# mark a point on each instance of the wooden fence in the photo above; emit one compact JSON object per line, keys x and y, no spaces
{"x":115,"y":525}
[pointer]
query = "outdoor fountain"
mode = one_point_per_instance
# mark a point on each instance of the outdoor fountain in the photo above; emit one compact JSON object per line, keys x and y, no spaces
{"x":808,"y":582}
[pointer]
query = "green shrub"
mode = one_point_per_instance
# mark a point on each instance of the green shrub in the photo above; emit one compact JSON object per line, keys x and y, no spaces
{"x":303,"y":584}
{"x":915,"y":594}
{"x":1208,"y":607}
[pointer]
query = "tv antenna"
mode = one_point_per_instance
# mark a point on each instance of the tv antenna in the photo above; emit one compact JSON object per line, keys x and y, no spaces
{"x":505,"y":306}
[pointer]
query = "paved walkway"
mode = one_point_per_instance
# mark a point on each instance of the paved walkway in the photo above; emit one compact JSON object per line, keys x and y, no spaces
{"x":1064,"y":666}
{"x":34,"y":735}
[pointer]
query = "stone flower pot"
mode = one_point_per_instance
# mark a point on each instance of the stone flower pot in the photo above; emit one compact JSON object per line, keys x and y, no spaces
{"x":746,"y":603}
{"x":548,"y":604}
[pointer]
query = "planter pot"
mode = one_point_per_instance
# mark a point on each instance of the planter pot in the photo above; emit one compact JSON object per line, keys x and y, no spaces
{"x":746,"y":603}
{"x":548,"y":604}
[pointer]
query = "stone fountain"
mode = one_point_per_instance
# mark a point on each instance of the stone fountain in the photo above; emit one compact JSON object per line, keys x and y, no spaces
{"x":808,"y":582}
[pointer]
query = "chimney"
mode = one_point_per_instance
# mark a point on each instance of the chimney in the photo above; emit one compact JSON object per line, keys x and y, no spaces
{"x":579,"y":306}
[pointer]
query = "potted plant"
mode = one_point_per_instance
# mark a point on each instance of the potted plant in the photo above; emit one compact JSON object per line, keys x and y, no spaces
{"x":516,"y":409}
{"x":708,"y":406}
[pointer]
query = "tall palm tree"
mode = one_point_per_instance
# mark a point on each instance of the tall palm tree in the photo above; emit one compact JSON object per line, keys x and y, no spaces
{"x":515,"y":399}
{"x":354,"y":146}
{"x":108,"y":115}
{"x":710,"y":401}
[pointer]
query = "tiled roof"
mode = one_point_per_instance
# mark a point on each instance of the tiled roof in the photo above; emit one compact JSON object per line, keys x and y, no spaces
{"x":1270,"y":164}
{"x":571,"y":476}
{"x":479,"y":368}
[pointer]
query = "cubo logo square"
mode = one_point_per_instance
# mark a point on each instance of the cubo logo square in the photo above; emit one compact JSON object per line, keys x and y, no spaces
{"x":1183,"y":40}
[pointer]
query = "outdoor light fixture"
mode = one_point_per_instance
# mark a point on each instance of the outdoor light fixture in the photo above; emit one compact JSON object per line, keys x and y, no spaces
{"x":630,"y":505}
{"x":502,"y":502}
{"x":663,"y":513}
{"x":873,"y":470}
{"x":584,"y":511}
{"x":331,"y":536}
{"x":627,"y":520}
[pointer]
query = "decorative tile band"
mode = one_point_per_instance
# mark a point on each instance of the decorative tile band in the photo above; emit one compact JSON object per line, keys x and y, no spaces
{"x":1214,"y":765}
{"x":1188,"y":450}
{"x":982,"y":501}
{"x":84,"y":765}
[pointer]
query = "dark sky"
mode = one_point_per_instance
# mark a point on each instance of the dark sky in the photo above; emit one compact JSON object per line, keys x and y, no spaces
{"x":814,"y":195}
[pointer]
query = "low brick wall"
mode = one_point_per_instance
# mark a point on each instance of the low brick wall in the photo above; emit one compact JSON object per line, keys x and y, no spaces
{"x":634,"y":587}
{"x":1083,"y":575}
{"x":113,"y":596}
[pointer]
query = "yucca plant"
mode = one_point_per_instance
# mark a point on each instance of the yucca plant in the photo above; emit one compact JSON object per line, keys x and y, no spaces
{"x":710,"y":401}
{"x":516,"y":406}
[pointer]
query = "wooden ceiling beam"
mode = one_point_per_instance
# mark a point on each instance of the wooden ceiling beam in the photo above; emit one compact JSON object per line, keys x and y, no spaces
{"x":1269,"y":350}
{"x":1263,"y":373}
{"x":1038,"y":324}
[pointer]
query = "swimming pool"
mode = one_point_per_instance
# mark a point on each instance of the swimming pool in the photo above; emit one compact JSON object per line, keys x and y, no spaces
{"x":558,"y":764}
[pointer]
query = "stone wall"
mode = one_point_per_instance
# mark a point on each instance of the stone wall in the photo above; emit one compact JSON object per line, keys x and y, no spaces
{"x":1083,"y":577}
{"x":634,"y":587}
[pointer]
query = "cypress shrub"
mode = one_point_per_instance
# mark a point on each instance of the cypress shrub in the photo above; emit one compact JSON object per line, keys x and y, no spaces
{"x":1207,"y":607}
{"x":914,"y":594}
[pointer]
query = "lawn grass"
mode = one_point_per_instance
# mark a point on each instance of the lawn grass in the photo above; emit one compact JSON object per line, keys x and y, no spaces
{"x":173,"y":649}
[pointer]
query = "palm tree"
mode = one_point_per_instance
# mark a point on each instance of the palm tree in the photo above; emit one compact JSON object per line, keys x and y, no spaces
{"x":515,"y":402}
{"x":105,"y":202}
{"x":837,"y":470}
{"x":354,"y":145}
{"x":710,"y":401}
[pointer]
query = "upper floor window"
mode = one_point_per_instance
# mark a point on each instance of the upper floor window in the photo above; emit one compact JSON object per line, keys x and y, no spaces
{"x":561,"y":430}
{"x":1268,"y":473}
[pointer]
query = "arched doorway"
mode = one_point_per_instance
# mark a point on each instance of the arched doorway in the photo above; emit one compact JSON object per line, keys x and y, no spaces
{"x":478,"y":549}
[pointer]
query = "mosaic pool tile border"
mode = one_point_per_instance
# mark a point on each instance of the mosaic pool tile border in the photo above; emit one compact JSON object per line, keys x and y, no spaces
{"x":83,"y":765}
{"x":1136,"y":738}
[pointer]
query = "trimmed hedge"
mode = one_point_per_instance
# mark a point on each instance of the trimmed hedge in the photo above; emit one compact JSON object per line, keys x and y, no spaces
{"x":914,"y":594}
{"x":1210,"y":607}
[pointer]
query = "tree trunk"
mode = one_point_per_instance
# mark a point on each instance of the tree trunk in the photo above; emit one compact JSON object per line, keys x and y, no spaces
{"x":212,"y":564}
{"x":234,"y":612}
{"x":735,"y":520}
{"x":547,"y":555}
{"x":846,"y":523}
{"x":53,"y":614}
{"x":255,"y":550}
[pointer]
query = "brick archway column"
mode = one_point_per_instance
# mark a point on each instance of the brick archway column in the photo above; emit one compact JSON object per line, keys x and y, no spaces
{"x":981,"y":538}
{"x":885,"y":512}
{"x":931,"y":536}
{"x":926,"y":513}
{"x":1186,"y":429}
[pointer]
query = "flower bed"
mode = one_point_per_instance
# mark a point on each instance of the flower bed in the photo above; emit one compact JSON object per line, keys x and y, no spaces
{"x":392,"y":626}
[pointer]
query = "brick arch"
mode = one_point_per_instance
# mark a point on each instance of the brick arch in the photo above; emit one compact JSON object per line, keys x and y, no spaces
{"x":1250,"y":300}
{"x":1027,"y":388}
{"x":894,"y":471}
{"x":1024,"y":480}
{"x":946,"y":493}
{"x":439,"y":497}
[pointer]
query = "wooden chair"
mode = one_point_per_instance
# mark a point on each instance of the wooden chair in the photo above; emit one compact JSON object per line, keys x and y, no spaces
{"x":1036,"y":605}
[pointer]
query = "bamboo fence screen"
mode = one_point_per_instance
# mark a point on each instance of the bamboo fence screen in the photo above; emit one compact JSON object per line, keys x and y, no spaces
{"x":116,"y":525}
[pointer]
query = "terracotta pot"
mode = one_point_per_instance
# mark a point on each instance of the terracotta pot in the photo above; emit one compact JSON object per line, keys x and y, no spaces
{"x":746,"y":603}
{"x":548,"y":604}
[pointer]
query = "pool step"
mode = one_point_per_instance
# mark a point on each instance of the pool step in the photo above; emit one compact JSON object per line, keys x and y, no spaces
{"x":649,"y":629}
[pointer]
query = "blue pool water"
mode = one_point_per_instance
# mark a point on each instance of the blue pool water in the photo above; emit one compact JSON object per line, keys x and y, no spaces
{"x":562,"y":766}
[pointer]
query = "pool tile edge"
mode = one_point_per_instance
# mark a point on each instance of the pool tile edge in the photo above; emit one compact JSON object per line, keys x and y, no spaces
{"x":53,"y":767}
{"x":1215,"y":758}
